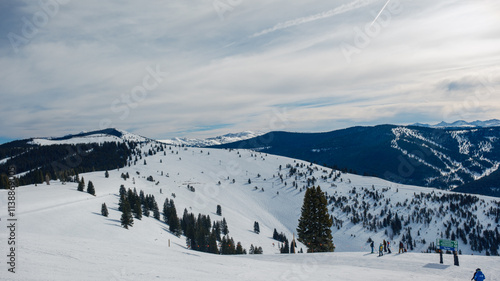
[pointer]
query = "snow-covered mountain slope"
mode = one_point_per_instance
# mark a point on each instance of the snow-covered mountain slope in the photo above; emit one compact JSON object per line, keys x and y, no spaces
{"x":462,"y":124}
{"x":106,"y":135}
{"x":227,"y":138}
{"x":470,"y":156}
{"x":444,"y":158}
{"x":62,"y":236}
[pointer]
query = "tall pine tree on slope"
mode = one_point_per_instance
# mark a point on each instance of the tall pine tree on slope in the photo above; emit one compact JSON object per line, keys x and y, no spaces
{"x":104,"y":210}
{"x":91,"y":188}
{"x":314,"y":229}
{"x":126,"y":219}
{"x":81,"y":185}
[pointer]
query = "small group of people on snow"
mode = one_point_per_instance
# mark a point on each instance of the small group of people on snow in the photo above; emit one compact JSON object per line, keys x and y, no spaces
{"x":385,"y":247}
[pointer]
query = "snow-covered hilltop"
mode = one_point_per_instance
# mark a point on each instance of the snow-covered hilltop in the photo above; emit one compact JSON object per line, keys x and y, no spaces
{"x":227,"y":138}
{"x":101,"y":136}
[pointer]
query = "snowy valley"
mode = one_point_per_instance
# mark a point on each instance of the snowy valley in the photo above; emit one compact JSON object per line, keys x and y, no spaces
{"x":61,"y":234}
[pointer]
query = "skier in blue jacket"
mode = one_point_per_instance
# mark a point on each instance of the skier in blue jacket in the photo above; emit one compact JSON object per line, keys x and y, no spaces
{"x":478,"y":275}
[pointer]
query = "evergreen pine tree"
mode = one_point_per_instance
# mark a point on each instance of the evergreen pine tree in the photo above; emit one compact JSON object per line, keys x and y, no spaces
{"x":224,"y":227}
{"x":223,"y":246}
{"x":166,"y":210}
{"x":123,"y":191}
{"x":142,"y":197}
{"x":227,"y":246}
{"x":258,"y":250}
{"x":275,"y":235}
{"x":156,"y":211}
{"x":256,"y":227}
{"x":126,"y":218}
{"x":81,"y":185}
{"x":90,"y":188}
{"x":314,"y":229}
{"x":219,"y":210}
{"x":285,"y":249}
{"x":138,"y":210}
{"x":106,"y":174}
{"x":120,"y":203}
{"x":174,"y":225}
{"x":212,"y":244}
{"x":239,"y":249}
{"x":217,"y":230}
{"x":104,"y":210}
{"x":145,"y":211}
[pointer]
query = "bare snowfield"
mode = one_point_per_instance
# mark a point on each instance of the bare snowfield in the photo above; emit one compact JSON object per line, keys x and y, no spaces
{"x":61,"y":235}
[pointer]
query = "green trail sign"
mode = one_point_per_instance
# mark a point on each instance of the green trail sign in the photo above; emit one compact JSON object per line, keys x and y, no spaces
{"x":444,"y":244}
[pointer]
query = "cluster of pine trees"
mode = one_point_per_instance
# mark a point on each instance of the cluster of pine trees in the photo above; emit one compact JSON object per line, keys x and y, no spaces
{"x":459,"y":211}
{"x":81,"y":186}
{"x":255,"y":250}
{"x":62,"y":162}
{"x":205,"y":236}
{"x":133,"y":205}
{"x":170,"y":217}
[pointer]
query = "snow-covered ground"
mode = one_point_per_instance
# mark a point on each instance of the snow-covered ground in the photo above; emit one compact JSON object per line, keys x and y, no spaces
{"x":61,"y":235}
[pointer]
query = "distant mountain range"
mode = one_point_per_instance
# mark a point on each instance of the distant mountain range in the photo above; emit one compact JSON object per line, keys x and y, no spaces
{"x":455,"y":156}
{"x":462,"y":159}
{"x":462,"y":124}
{"x":228,"y":138}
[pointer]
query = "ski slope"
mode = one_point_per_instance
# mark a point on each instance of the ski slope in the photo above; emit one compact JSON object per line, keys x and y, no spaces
{"x":61,"y":234}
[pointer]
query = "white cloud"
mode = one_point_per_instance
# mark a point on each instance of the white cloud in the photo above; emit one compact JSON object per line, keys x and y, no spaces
{"x":226,"y":76}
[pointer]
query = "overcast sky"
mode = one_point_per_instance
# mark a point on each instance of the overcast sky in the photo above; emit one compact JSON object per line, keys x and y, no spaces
{"x":202,"y":68}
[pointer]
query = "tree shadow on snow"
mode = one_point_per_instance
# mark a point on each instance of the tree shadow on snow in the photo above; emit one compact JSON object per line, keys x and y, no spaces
{"x":113,"y":220}
{"x":436,"y":266}
{"x":117,"y":225}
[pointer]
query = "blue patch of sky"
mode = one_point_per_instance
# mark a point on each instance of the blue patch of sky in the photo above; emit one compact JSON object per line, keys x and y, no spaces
{"x":306,"y":103}
{"x":457,"y":86}
{"x":205,"y":128}
{"x":317,"y":103}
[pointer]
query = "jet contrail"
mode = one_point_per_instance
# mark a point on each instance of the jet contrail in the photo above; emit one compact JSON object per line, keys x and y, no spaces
{"x":326,"y":14}
{"x":380,"y":12}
